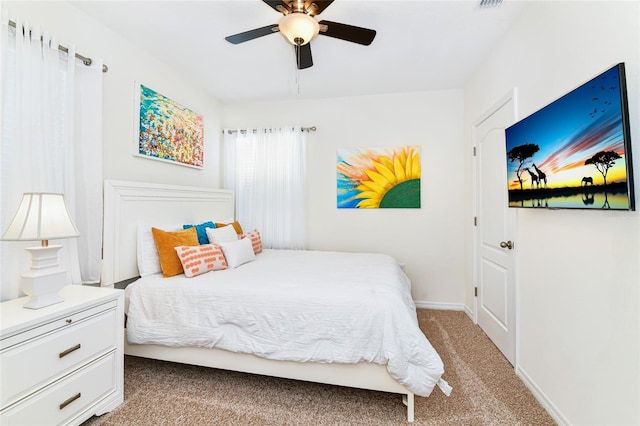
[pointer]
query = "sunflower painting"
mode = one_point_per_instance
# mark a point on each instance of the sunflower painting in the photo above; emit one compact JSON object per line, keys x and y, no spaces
{"x":371,"y":178}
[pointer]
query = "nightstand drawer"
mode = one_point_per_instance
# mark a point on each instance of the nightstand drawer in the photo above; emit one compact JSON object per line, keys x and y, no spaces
{"x":29,"y":365}
{"x":64,"y":400}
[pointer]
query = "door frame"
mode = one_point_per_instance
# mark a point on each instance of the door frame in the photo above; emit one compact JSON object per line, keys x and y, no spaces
{"x":511,"y":95}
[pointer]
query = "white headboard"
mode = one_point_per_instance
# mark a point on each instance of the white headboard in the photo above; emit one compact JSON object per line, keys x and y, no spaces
{"x":128,"y":203}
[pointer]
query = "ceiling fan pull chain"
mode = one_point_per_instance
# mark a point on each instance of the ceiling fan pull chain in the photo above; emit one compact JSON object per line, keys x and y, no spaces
{"x":297,"y":70}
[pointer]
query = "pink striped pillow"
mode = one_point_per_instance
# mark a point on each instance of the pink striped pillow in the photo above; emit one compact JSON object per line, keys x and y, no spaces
{"x":197,"y":260}
{"x":256,"y":241}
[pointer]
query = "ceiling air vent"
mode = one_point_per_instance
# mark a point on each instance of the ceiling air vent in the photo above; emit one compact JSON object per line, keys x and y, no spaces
{"x":490,"y":3}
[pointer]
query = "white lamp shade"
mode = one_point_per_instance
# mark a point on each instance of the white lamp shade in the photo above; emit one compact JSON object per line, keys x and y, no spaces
{"x":298,"y":28}
{"x":41,"y":216}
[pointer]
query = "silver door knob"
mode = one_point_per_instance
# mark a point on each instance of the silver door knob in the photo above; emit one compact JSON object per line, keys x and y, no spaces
{"x":507,"y":244}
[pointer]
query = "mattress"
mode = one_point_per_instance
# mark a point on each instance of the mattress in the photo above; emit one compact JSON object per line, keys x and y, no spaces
{"x":302,"y":306}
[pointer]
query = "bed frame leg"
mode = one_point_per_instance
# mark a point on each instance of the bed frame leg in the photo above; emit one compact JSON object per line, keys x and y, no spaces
{"x":408,"y":400}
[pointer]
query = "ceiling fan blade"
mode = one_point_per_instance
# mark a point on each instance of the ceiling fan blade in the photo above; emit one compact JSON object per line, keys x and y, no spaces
{"x":320,"y":5}
{"x":348,"y":32}
{"x":251,"y":34}
{"x":303,"y":56}
{"x":275,"y":3}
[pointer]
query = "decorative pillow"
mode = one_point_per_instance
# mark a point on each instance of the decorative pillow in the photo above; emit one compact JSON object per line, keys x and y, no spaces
{"x":227,"y":221}
{"x":256,"y":241}
{"x":200,"y":229}
{"x":200,"y":259}
{"x":235,"y":224}
{"x":219,"y":235}
{"x":147,"y":252}
{"x":238,"y":252}
{"x":166,"y":241}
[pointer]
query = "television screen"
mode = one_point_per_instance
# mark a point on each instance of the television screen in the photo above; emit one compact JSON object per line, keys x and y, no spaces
{"x":575,"y":153}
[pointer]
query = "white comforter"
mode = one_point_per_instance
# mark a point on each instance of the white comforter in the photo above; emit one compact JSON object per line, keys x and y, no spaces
{"x":296,"y":306}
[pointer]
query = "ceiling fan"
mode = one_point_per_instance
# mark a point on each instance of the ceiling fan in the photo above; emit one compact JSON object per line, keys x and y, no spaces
{"x":299,"y":27}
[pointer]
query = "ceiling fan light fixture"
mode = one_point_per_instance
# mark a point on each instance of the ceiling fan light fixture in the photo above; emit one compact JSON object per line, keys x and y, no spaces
{"x":298,"y":28}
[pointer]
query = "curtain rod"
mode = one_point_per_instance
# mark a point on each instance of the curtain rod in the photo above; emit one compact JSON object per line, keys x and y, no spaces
{"x":84,"y":59}
{"x":304,"y":129}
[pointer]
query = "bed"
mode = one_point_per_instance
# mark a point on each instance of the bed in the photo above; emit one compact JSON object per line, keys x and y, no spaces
{"x":328,"y":300}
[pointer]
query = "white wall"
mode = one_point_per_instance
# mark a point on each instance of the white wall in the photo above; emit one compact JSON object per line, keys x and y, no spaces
{"x":428,"y":240}
{"x":126,"y":64}
{"x":579,"y":286}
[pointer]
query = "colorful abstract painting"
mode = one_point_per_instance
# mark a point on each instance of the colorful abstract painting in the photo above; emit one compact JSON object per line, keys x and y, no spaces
{"x":371,"y":178}
{"x":168,"y":131}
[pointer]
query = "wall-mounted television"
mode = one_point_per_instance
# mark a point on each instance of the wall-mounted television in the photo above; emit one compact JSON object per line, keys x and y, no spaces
{"x":575,"y":153}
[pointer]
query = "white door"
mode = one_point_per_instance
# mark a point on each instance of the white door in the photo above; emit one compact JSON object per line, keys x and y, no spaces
{"x":495,"y":246}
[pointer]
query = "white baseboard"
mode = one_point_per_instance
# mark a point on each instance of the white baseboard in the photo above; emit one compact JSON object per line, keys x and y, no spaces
{"x":440,"y":305}
{"x":469,"y":312}
{"x":541,"y":397}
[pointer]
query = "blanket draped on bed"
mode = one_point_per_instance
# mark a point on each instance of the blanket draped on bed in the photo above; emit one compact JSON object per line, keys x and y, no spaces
{"x":293,"y":305}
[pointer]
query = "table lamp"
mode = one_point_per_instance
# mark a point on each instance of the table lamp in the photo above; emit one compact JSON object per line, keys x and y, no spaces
{"x":42,"y":216}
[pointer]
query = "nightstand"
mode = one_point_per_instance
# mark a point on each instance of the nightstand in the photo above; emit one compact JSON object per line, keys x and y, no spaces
{"x":63,"y":363}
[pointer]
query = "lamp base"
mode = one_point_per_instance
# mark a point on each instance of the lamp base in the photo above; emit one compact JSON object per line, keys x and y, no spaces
{"x":40,"y":301}
{"x":45,"y":278}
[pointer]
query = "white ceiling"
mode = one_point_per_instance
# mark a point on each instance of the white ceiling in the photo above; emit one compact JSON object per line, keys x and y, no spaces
{"x":420,"y":45}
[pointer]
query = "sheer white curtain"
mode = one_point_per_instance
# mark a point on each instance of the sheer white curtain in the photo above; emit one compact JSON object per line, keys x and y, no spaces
{"x":40,"y":149}
{"x":266,"y":170}
{"x":88,"y":168}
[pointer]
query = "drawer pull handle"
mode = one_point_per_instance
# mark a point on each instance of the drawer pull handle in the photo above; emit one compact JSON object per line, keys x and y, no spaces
{"x":70,"y":400}
{"x":68,"y":351}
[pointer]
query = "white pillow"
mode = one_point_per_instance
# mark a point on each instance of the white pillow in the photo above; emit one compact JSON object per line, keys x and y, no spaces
{"x":146,"y":250}
{"x":237,"y":252}
{"x":221,"y":235}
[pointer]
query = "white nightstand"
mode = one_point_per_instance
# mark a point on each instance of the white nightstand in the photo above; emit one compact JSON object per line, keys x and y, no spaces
{"x":63,"y":363}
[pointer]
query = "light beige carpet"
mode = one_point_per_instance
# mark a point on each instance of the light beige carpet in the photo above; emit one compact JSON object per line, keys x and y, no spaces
{"x":486,"y":391}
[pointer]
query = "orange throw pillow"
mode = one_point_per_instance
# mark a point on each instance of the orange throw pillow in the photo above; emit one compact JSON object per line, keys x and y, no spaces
{"x":236,"y":226}
{"x":166,"y":243}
